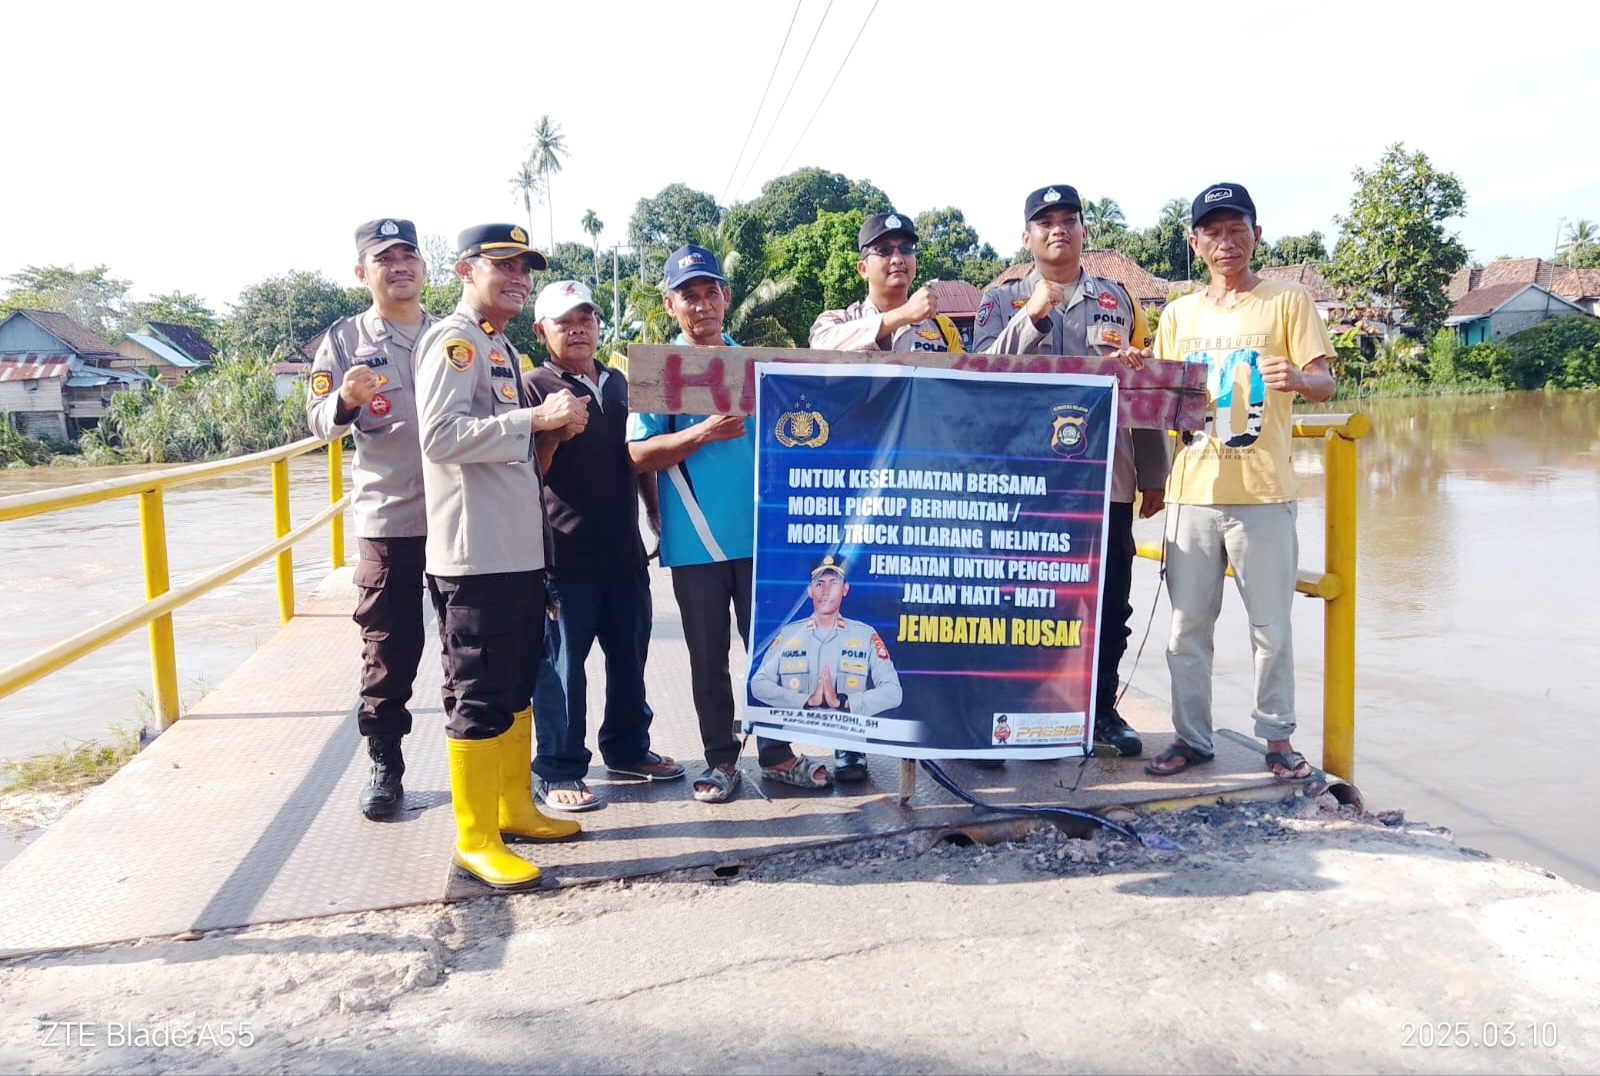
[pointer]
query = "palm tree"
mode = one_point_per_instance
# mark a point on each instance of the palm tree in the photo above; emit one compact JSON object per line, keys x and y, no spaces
{"x":1582,"y":236}
{"x":544,"y":157}
{"x":592,"y":227}
{"x":528,"y":183}
{"x":1173,"y":226}
{"x":1104,"y":219}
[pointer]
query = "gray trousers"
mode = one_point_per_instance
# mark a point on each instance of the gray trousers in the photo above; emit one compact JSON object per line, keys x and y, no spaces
{"x":1260,"y":543}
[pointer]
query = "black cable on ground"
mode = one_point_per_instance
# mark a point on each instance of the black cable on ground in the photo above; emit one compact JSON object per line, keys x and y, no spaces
{"x":1054,"y":814}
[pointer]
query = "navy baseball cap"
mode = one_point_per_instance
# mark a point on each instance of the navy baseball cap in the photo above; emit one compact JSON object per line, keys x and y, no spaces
{"x":876,"y":227}
{"x":1221,"y":196}
{"x":377,"y":236}
{"x":1058,"y":196}
{"x":688,"y":262}
{"x":497,"y":242}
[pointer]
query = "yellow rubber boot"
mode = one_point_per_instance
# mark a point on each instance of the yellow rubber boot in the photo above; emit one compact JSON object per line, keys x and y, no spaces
{"x":518,"y":815}
{"x":474,"y":790}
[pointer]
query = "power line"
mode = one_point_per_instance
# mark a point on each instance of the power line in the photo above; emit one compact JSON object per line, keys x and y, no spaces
{"x":829,"y":90}
{"x":776,"y":60}
{"x":786,"y":97}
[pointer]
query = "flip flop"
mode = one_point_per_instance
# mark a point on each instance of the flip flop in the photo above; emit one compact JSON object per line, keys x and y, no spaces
{"x":1161,"y":765}
{"x":1290,"y":761}
{"x":543,"y":788}
{"x":652,"y":767}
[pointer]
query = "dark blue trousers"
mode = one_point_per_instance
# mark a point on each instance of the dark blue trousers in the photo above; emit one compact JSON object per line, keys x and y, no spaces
{"x":614,"y":610}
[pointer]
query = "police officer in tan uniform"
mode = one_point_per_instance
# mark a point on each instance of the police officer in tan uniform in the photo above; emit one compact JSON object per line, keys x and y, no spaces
{"x":486,"y":550}
{"x":362,"y":383}
{"x":825,"y":661}
{"x":892,"y":317}
{"x":1059,"y":309}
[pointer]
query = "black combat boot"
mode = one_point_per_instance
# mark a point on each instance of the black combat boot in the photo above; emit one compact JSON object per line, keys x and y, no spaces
{"x":1111,"y":731}
{"x":381,"y":798}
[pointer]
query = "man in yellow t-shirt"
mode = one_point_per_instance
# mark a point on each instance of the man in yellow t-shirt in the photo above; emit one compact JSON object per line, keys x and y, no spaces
{"x":1231,"y":494}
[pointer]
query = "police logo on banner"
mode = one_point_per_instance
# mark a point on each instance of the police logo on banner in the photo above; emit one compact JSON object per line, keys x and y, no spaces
{"x":802,"y":427}
{"x":1068,"y":431}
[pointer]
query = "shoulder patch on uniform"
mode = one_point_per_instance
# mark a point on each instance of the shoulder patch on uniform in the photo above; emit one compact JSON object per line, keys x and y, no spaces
{"x":877,"y":645}
{"x":458,"y":353}
{"x":984,"y":311}
{"x":321,"y":383}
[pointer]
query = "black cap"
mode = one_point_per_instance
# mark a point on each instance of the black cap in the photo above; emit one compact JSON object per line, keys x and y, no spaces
{"x":498,"y":242}
{"x":1057,"y":196}
{"x":377,"y":236}
{"x":1221,"y":196}
{"x":828,"y":563}
{"x":876,"y":227}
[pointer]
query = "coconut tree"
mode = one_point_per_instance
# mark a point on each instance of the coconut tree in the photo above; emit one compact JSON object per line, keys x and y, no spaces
{"x":545,"y":152}
{"x":530,"y":185}
{"x":592,"y":227}
{"x":1582,"y":238}
{"x":1104,"y":220}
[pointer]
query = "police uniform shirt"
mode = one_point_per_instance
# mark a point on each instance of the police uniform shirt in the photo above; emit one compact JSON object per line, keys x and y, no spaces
{"x":856,"y":328}
{"x":1097,"y":318}
{"x":851,"y":650}
{"x":386,"y":499}
{"x":479,"y":476}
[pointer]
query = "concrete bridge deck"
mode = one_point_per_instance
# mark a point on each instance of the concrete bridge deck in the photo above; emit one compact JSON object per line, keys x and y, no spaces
{"x":245,"y":811}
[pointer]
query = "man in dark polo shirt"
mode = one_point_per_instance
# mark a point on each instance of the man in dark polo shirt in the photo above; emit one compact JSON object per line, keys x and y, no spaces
{"x":589,"y":496}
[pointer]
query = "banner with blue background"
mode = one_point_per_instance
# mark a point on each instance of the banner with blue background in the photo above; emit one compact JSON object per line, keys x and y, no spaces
{"x":927,"y":566}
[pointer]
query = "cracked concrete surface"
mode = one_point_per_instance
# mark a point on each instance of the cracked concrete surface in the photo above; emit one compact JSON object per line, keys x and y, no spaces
{"x":1283,"y":938}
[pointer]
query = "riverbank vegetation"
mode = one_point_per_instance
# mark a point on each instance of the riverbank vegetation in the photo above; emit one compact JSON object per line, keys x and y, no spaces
{"x":73,"y":768}
{"x":791,"y":252}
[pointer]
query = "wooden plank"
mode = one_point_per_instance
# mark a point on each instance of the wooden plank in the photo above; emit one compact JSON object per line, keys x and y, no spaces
{"x":674,"y":379}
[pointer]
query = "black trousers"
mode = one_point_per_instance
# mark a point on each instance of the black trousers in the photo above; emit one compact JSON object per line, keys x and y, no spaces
{"x":1115,"y":608}
{"x":704,"y":593}
{"x":389,"y":575}
{"x":491,"y":632}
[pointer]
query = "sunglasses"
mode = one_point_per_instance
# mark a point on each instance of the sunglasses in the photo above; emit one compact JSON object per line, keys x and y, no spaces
{"x":887,"y":250}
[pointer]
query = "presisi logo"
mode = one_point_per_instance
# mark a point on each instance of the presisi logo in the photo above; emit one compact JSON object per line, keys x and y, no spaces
{"x":1219,"y":194}
{"x":688,"y":260}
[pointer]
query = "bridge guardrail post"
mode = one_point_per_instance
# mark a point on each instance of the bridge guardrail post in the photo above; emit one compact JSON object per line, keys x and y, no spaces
{"x":157,"y":581}
{"x":280,"y":527}
{"x":336,"y":491}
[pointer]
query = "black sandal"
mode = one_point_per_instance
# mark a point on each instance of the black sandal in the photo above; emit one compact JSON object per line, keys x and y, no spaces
{"x":1192,"y":756}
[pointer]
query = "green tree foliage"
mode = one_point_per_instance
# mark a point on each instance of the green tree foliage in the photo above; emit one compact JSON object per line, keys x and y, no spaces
{"x":1291,"y":250}
{"x":1559,"y":353}
{"x":175,"y":308}
{"x":1163,"y":248}
{"x":1105,"y":222}
{"x":280,"y":313}
{"x":91,"y":297}
{"x":1393,"y":245}
{"x":948,"y":248}
{"x":801,"y":196}
{"x":821,"y":257}
{"x":670,"y":219}
{"x":1581,"y":247}
{"x":229,"y":410}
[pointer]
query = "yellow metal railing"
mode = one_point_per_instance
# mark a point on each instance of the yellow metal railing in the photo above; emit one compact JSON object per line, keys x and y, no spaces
{"x":1335,"y":584}
{"x":161,"y":600}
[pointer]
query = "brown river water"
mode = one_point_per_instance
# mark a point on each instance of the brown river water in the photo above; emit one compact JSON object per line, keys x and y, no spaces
{"x":1478,"y":614}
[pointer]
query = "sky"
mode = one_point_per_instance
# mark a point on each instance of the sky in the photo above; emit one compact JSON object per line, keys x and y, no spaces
{"x":204,"y":147}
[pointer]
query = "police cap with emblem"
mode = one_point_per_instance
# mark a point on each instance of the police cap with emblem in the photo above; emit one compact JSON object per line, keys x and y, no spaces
{"x":876,"y":227}
{"x":1221,"y":196}
{"x":497,"y":242}
{"x":828,"y":563}
{"x":377,"y":236}
{"x":1058,"y":196}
